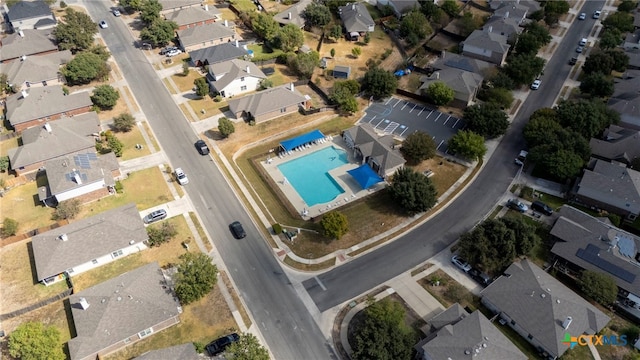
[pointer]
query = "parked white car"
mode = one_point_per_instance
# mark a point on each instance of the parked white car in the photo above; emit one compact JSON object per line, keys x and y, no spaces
{"x":181,"y":176}
{"x":174,"y":52}
{"x":460,"y":263}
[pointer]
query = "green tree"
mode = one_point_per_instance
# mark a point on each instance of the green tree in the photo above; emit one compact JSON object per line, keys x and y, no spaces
{"x":620,"y":59}
{"x":525,"y":234}
{"x":610,"y":38}
{"x":587,"y":117}
{"x":343,"y":93}
{"x":561,"y":164}
{"x":383,"y":334}
{"x":418,"y":146}
{"x":225,"y":126}
{"x":159,"y":32}
{"x":415,"y":27}
{"x":622,"y":21}
{"x":265,"y":26}
{"x":34,"y":341}
{"x":501,"y":96}
{"x":598,"y":62}
{"x":627,"y":6}
{"x":150,"y":11}
{"x":451,"y":7}
{"x":468,"y":145}
{"x":289,"y":38}
{"x":524,"y":68}
{"x":379,"y":83}
{"x":84,"y":68}
{"x":202,"y":86}
{"x":599,"y":286}
{"x":247,"y":348}
{"x":105,"y":97}
{"x":468,"y":23}
{"x":413,"y":191}
{"x":527,"y":44}
{"x":135,"y":5}
{"x":502,"y":80}
{"x":160,"y":234}
{"x":334,"y":225}
{"x":265,"y":84}
{"x":101,"y":51}
{"x":185,"y":68}
{"x":9,"y":227}
{"x":124,"y":122}
{"x":597,"y":85}
{"x":76,"y":32}
{"x":557,"y":7}
{"x":333,"y":52}
{"x":334,"y":33}
{"x":115,"y":145}
{"x":4,"y":163}
{"x":539,"y":32}
{"x":316,"y":15}
{"x":486,"y":119}
{"x":356,"y":51}
{"x":196,"y":277}
{"x":491,"y":244}
{"x":440,"y":93}
{"x":304,"y":63}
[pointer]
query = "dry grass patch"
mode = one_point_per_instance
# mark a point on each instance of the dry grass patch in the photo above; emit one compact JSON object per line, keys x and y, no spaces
{"x":308,"y":266}
{"x":185,"y":111}
{"x":410,"y":82}
{"x":210,"y":107}
{"x":130,"y":139}
{"x":185,"y":83}
{"x":226,"y":281}
{"x":119,"y":108}
{"x":169,"y":86}
{"x":445,"y":173}
{"x":201,"y":232}
{"x":448,"y":291}
{"x":442,"y":42}
{"x":56,"y":314}
{"x":21,"y":204}
{"x":150,"y":135}
{"x":133,"y":105}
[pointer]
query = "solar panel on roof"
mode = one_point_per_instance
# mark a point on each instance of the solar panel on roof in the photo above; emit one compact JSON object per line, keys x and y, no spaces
{"x":76,"y":160}
{"x":92,"y":156}
{"x":590,"y":255}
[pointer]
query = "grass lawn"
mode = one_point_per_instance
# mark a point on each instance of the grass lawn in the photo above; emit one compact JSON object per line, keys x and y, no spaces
{"x":186,"y":112}
{"x":57,"y":314}
{"x":244,"y":5}
{"x":21,"y":204}
{"x":209,"y":106}
{"x":185,"y":83}
{"x":119,"y":108}
{"x":131,"y":98}
{"x":146,"y":188}
{"x":150,"y":135}
{"x":130,"y":139}
{"x":168,"y":85}
{"x":529,"y":194}
{"x":259,"y":50}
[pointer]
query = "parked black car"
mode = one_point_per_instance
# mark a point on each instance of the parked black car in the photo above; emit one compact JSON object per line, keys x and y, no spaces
{"x":539,"y":206}
{"x":480,"y":277}
{"x":202,"y":147}
{"x":237,"y":230}
{"x":219,"y":345}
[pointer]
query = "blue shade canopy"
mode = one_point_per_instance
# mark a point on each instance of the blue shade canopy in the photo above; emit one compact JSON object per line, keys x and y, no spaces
{"x":301,"y":140}
{"x":365,"y":176}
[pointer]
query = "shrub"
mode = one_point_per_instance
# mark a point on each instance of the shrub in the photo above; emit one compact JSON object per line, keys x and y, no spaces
{"x":63,"y":4}
{"x":119,"y":188}
{"x":225,"y":126}
{"x":334,"y":225}
{"x":105,"y":97}
{"x":124,"y":122}
{"x":67,"y":209}
{"x":162,"y":234}
{"x":9,"y":227}
{"x":277,"y":228}
{"x":4,"y":163}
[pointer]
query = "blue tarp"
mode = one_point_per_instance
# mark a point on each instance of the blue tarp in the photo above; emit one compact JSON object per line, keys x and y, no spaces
{"x":365,"y":176}
{"x":301,"y":140}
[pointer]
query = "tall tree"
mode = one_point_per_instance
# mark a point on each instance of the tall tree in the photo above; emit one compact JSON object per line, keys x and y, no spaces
{"x":418,"y":146}
{"x":316,"y":15}
{"x":84,"y":68}
{"x":587,"y":117}
{"x":76,"y":32}
{"x":247,"y":348}
{"x":440,"y":93}
{"x":34,"y":341}
{"x":159,"y":32}
{"x":599,"y":286}
{"x":225,"y":126}
{"x":265,"y":26}
{"x":202,"y":86}
{"x":415,"y":27}
{"x":379,"y":83}
{"x":622,"y":21}
{"x":486,"y":119}
{"x":610,"y":38}
{"x":467,"y":144}
{"x":598,"y":62}
{"x":105,"y":97}
{"x":334,"y":225}
{"x":596,"y":84}
{"x":196,"y":277}
{"x":289,"y":38}
{"x":150,"y":11}
{"x":124,"y":122}
{"x":304,"y":63}
{"x":524,"y":68}
{"x":413,"y":191}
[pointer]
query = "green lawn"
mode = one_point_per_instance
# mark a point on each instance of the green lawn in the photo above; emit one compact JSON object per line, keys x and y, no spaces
{"x":261,"y":50}
{"x":21,"y":204}
{"x":555,"y":202}
{"x":244,"y":5}
{"x":185,"y":83}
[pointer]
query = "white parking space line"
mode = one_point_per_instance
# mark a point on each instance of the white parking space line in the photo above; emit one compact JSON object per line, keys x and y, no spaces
{"x":397,"y":102}
{"x":421,"y":110}
{"x":445,"y":122}
{"x":429,"y":113}
{"x":414,"y":106}
{"x":441,"y":142}
{"x":405,"y":105}
{"x":385,"y":120}
{"x":320,"y":283}
{"x":456,"y":123}
{"x":436,"y":119}
{"x":405,"y":129}
{"x":391,"y":127}
{"x":388,"y":101}
{"x":373,"y":118}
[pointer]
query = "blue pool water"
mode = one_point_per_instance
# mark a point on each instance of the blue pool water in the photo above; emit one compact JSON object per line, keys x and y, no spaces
{"x":309,"y":175}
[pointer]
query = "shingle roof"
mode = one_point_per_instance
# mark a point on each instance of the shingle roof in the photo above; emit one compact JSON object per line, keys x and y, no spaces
{"x":488,"y":40}
{"x":403,"y":6}
{"x":33,"y":42}
{"x":203,"y":33}
{"x":450,"y":316}
{"x":266,"y":101}
{"x":69,"y":135}
{"x":178,"y":352}
{"x":577,"y":231}
{"x":375,"y":147}
{"x":473,"y":337}
{"x":88,"y":239}
{"x":356,"y":17}
{"x":231,"y":70}
{"x":36,"y":69}
{"x":461,"y":62}
{"x":296,"y":12}
{"x":75,"y":171}
{"x":28,"y":10}
{"x":612,"y":184}
{"x":218,"y":53}
{"x":513,"y":11}
{"x":539,"y":304}
{"x":464,"y":83}
{"x":191,"y":15}
{"x":502,"y":26}
{"x":119,"y":308}
{"x":532,"y":5}
{"x":175,"y":4}
{"x":42,"y":102}
{"x":618,"y":143}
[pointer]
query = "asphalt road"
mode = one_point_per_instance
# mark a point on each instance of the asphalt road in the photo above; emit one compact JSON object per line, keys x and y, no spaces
{"x":412,"y":249}
{"x":285,"y":323}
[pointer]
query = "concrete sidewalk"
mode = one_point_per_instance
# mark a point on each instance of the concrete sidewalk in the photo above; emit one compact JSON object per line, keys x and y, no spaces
{"x":143,"y":162}
{"x":418,"y":299}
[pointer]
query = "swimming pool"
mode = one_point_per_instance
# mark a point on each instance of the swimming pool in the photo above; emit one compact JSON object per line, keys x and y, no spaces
{"x":309,"y":175}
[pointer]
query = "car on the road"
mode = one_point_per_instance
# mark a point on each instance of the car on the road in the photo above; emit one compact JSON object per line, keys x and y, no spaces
{"x":517,"y":205}
{"x":460,"y":263}
{"x":202,"y":147}
{"x":165,"y":50}
{"x":480,"y":277}
{"x":596,"y":14}
{"x":579,"y":49}
{"x":582,"y":16}
{"x":573,"y":60}
{"x":116,"y":12}
{"x":522,"y":156}
{"x":155,"y":216}
{"x":539,"y":206}
{"x":174,"y":52}
{"x":237,"y":230}
{"x":583,"y":42}
{"x":103,"y":24}
{"x":181,"y":176}
{"x":536,"y":84}
{"x":218,"y":346}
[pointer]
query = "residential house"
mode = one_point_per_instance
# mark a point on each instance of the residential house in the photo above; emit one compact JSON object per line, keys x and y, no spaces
{"x":24,"y":15}
{"x":205,"y":35}
{"x":465,"y":84}
{"x":515,"y":11}
{"x":400,"y":7}
{"x":583,"y":242}
{"x":67,"y":136}
{"x":217,"y":54}
{"x":193,"y":16}
{"x":40,"y":70}
{"x":468,"y":336}
{"x":532,"y":5}
{"x":634,"y":59}
{"x":38,"y":105}
{"x":26,"y":42}
{"x":86,"y":176}
{"x":486,"y":45}
{"x":618,"y":144}
{"x":378,"y":152}
{"x":626,"y":98}
{"x":234,"y":77}
{"x":461,"y":62}
{"x":540,"y":308}
{"x":632,"y":40}
{"x":183,"y":352}
{"x":121,"y":311}
{"x":341,"y":72}
{"x":268,"y":104}
{"x":356,"y":19}
{"x":636,"y":19}
{"x":174,"y":5}
{"x":609,"y":186}
{"x":508,"y":27}
{"x":293,"y":14}
{"x":88,"y":243}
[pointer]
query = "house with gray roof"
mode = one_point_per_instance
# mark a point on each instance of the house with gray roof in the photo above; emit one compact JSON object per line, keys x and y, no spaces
{"x":609,"y":186}
{"x":33,"y":71}
{"x":356,"y":20}
{"x":532,"y":5}
{"x":121,"y":311}
{"x":38,"y":105}
{"x":465,"y":84}
{"x":268,"y":104}
{"x":617,"y":143}
{"x":84,"y":176}
{"x":461,"y":62}
{"x":293,"y":14}
{"x":174,"y":5}
{"x":626,"y":98}
{"x":182,"y":352}
{"x":515,"y":11}
{"x":88,"y":243}
{"x":67,"y":136}
{"x":26,"y":42}
{"x":218,"y":53}
{"x":540,"y":308}
{"x":634,"y":59}
{"x":378,"y":152}
{"x":234,"y":77}
{"x":194,"y":16}
{"x":400,"y":7}
{"x":24,"y":15}
{"x":472,"y":336}
{"x":508,"y":27}
{"x":486,"y":45}
{"x":205,"y":35}
{"x":632,"y":40}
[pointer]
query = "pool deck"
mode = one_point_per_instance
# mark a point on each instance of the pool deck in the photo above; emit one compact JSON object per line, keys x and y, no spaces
{"x":352,"y":189}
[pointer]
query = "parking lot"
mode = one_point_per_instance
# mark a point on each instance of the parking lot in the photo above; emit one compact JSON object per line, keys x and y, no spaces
{"x":401,"y":117}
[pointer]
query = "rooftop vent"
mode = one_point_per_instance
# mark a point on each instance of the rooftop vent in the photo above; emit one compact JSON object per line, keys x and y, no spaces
{"x":24,"y":94}
{"x":21,"y":33}
{"x":63,"y":237}
{"x":567,"y":322}
{"x":47,"y":127}
{"x":83,"y":303}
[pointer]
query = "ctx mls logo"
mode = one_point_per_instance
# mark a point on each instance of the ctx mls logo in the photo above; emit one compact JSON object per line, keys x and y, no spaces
{"x":597,"y":340}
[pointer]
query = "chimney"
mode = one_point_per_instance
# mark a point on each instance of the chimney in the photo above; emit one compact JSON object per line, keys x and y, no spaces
{"x":84,"y":304}
{"x":237,"y":43}
{"x":289,"y":15}
{"x":77,"y":179}
{"x":248,"y":70}
{"x":206,"y":7}
{"x":47,"y":127}
{"x":226,"y":23}
{"x":63,"y":237}
{"x":21,"y":33}
{"x":567,"y":322}
{"x":291,"y":87}
{"x":24,"y":94}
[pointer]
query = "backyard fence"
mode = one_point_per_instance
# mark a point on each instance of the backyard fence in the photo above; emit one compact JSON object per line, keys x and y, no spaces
{"x":63,"y":295}
{"x":31,"y":233}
